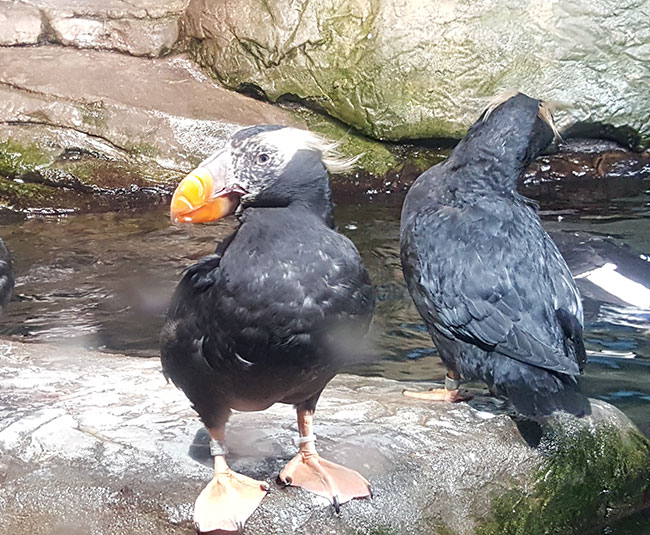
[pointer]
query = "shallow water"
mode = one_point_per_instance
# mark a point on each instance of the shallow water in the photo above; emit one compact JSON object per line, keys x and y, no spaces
{"x":103,"y":281}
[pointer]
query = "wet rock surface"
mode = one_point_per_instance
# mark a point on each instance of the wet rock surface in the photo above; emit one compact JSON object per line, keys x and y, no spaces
{"x":100,"y":122}
{"x":400,"y":69}
{"x":581,"y":172}
{"x":97,"y":443}
{"x":595,"y":175}
{"x":588,"y":159}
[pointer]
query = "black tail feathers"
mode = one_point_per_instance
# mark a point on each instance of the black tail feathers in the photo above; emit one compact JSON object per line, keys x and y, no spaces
{"x":537,"y":393}
{"x":573,"y":332}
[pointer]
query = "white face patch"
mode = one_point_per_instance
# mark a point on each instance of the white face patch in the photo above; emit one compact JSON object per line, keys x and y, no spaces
{"x":288,"y":141}
{"x":257,"y":156}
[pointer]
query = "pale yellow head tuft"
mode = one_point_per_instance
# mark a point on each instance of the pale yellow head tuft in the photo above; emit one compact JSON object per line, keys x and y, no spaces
{"x":545,"y":112}
{"x":289,"y":140}
{"x":332,"y":158}
{"x":496,"y":101}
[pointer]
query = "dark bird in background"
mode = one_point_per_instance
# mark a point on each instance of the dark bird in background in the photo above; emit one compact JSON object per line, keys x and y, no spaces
{"x":6,"y":276}
{"x":607,"y":272}
{"x":270,"y":317}
{"x":496,"y":295}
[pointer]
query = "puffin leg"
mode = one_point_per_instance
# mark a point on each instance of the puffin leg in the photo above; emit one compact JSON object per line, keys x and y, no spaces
{"x":315,"y":474}
{"x":450,"y":393}
{"x":230,"y":498}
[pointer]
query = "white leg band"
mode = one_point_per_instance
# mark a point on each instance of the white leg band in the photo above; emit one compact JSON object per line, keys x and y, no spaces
{"x":303,"y":440}
{"x":451,"y":384}
{"x":218,"y":447}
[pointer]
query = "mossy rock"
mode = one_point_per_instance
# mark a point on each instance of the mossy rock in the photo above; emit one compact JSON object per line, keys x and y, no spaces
{"x":17,"y":158}
{"x":400,"y":69}
{"x":377,"y":160}
{"x":48,"y":178}
{"x":589,"y":477}
{"x":78,"y":167}
{"x":445,"y":469}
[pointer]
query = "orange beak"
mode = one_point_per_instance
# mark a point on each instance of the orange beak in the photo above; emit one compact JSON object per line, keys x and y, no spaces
{"x":202,"y":197}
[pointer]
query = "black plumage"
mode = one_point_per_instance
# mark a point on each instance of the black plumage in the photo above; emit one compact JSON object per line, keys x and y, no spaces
{"x":262,"y":320}
{"x":496,"y":295}
{"x":272,"y":316}
{"x":6,"y":276}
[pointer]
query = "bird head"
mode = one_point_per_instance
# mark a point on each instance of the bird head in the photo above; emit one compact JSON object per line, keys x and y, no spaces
{"x":263,"y":166}
{"x":518,"y":125}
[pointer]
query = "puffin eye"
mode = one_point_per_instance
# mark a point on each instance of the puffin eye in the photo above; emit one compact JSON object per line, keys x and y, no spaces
{"x":263,"y":158}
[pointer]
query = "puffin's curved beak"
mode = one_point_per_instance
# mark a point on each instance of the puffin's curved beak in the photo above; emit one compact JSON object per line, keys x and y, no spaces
{"x":202,"y":195}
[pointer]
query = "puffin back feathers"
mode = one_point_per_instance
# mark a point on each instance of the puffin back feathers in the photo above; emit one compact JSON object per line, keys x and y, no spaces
{"x":496,"y":295}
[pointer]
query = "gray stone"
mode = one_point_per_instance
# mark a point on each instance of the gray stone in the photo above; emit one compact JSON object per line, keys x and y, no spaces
{"x":402,"y":69}
{"x":96,"y":443}
{"x":139,"y":27}
{"x":147,"y":121}
{"x":166,"y":107}
{"x":20,"y":24}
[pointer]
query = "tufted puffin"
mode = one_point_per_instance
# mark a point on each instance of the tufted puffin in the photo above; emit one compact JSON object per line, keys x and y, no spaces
{"x":496,"y":295}
{"x":6,"y":276}
{"x":272,"y":316}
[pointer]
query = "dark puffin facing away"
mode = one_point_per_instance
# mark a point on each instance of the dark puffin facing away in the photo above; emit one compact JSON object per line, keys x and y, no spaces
{"x":270,"y":317}
{"x":496,"y":295}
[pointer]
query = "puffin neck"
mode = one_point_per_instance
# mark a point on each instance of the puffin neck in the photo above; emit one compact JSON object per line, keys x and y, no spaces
{"x":300,"y":188}
{"x":498,"y":148}
{"x":490,"y":158}
{"x":305,"y":184}
{"x":320,"y":203}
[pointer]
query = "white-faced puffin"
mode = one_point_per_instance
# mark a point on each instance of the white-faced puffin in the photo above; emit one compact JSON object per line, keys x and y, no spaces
{"x":270,"y":317}
{"x":496,"y":295}
{"x":6,"y":276}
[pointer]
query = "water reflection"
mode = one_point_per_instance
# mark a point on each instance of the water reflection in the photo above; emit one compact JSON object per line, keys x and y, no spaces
{"x":104,"y":281}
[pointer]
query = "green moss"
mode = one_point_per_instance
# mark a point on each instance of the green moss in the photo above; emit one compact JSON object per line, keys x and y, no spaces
{"x":111,"y":175}
{"x":375,"y":159}
{"x":93,"y":115}
{"x":379,"y":530}
{"x":378,"y":159}
{"x":24,"y":195}
{"x":143,"y":149}
{"x":73,"y":181}
{"x":16,"y":158}
{"x":436,"y":527}
{"x":589,"y":478}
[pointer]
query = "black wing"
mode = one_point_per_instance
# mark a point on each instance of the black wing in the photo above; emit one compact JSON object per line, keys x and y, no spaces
{"x":183,"y":332}
{"x":483,"y":275}
{"x":567,"y":302}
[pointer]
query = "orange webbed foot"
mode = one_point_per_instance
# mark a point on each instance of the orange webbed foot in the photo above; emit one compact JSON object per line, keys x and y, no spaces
{"x":325,"y":478}
{"x":227,"y":502}
{"x":439,"y":394}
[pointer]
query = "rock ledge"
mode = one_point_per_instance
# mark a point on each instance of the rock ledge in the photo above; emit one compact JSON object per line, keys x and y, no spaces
{"x":99,"y":443}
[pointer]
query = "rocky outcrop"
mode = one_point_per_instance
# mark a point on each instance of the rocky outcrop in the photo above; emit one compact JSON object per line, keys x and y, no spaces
{"x":93,"y":120}
{"x":400,"y":69}
{"x":99,"y":443}
{"x":71,"y":141}
{"x":85,"y":125}
{"x":139,"y":27}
